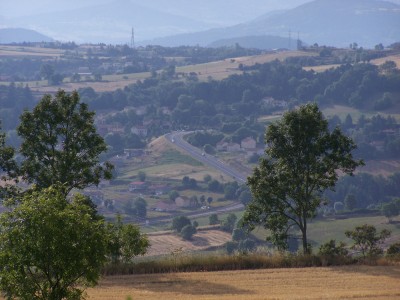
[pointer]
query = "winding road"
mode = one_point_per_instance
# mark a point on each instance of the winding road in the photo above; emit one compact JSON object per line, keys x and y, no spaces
{"x":176,"y":137}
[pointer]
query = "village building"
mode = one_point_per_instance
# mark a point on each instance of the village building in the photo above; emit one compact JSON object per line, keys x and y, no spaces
{"x":138,"y":186}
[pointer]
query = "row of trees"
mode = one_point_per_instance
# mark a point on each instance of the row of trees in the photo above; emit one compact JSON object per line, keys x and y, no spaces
{"x":53,"y":243}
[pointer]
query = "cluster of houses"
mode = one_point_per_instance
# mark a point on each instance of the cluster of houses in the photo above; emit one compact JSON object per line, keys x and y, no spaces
{"x":247,"y":145}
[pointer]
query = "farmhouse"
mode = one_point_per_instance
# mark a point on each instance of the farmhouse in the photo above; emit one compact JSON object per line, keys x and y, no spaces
{"x":159,"y":190}
{"x":164,"y":206}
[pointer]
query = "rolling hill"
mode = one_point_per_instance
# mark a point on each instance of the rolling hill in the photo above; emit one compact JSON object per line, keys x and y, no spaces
{"x":20,"y":35}
{"x":328,"y":22}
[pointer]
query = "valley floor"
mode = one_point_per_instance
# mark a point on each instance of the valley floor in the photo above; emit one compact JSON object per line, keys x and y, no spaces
{"x":349,"y":282}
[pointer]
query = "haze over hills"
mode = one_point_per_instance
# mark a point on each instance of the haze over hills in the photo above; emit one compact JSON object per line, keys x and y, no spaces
{"x":207,"y":22}
{"x":110,"y":21}
{"x":328,"y":22}
{"x":20,"y":35}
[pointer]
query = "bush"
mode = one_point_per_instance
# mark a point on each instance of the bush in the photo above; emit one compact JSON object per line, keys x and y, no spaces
{"x":213,"y":219}
{"x":179,"y":222}
{"x":393,"y":250}
{"x":246,"y":246}
{"x":231,"y":247}
{"x":229,"y":223}
{"x":238,"y":234}
{"x":330,"y":249}
{"x":367,"y":240}
{"x":188,"y":231}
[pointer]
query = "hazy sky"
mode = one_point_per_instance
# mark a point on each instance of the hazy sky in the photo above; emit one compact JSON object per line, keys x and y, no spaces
{"x":16,"y":8}
{"x":111,"y":21}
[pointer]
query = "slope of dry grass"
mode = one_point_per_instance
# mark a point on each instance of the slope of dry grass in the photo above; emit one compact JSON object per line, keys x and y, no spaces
{"x":351,"y":282}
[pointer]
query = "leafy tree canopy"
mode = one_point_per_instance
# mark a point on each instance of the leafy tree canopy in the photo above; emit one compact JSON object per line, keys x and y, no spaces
{"x":50,"y":248}
{"x":302,"y":160}
{"x":60,"y":144}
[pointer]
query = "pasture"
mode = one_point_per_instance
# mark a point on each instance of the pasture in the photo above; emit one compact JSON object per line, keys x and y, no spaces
{"x":348,"y":282}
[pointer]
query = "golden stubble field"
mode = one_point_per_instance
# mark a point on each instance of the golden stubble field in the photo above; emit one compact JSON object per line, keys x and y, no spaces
{"x":350,"y":282}
{"x":165,"y":243}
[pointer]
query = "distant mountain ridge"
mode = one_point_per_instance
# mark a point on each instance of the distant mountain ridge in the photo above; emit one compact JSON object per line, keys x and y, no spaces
{"x":20,"y":35}
{"x":109,"y":23}
{"x":328,"y":22}
{"x":182,"y":22}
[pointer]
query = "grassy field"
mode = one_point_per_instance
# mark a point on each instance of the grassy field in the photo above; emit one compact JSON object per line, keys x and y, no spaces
{"x":342,"y":111}
{"x":18,"y":51}
{"x":351,"y":282}
{"x":321,"y":231}
{"x":378,"y":62}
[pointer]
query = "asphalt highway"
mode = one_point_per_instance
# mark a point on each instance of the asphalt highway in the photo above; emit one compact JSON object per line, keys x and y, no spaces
{"x":176,"y":137}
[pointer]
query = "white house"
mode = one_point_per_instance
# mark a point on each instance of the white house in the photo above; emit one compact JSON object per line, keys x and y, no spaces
{"x":139,"y":130}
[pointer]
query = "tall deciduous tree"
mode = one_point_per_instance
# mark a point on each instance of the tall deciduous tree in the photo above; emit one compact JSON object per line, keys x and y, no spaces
{"x":125,"y":241}
{"x":302,"y":160}
{"x":60,"y":144}
{"x":51,"y":248}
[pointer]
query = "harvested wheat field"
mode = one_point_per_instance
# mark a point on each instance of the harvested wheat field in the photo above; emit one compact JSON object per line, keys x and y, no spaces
{"x":350,"y":282}
{"x":166,"y":243}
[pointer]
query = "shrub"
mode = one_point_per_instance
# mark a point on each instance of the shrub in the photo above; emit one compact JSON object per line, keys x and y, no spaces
{"x":231,"y":247}
{"x":213,"y":219}
{"x":331,"y":249}
{"x":247,"y":245}
{"x":367,"y":240}
{"x":393,"y":250}
{"x":229,"y":223}
{"x":238,"y":234}
{"x":188,"y":231}
{"x":179,"y":222}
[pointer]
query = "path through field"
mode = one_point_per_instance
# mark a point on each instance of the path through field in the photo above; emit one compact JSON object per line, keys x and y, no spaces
{"x":351,"y":282}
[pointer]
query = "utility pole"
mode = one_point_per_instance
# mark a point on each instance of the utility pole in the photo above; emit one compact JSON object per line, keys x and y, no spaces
{"x":133,"y":38}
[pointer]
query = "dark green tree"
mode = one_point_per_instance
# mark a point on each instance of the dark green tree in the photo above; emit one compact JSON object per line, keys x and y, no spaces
{"x":47,"y":71}
{"x":302,"y":160}
{"x":179,"y":222}
{"x":367,"y":240}
{"x":125,"y":241}
{"x":350,"y":202}
{"x":7,"y":167}
{"x":51,"y":248}
{"x":213,"y":219}
{"x":60,"y":144}
{"x":390,"y":210}
{"x":188,"y":231}
{"x":142,"y":175}
{"x":229,"y":223}
{"x":140,"y":207}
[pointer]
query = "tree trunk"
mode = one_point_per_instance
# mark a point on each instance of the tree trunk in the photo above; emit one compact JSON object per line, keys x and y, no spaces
{"x":304,"y":237}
